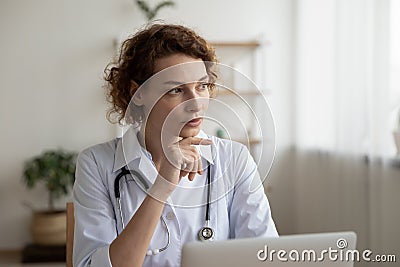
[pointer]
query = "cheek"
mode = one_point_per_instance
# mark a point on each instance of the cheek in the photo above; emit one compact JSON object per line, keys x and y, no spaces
{"x":206,"y":103}
{"x":166,"y":109}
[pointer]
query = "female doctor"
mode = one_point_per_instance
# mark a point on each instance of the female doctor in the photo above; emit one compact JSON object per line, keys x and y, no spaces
{"x":138,"y":199}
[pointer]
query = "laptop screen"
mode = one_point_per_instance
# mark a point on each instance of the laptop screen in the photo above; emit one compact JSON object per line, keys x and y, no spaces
{"x":323,"y":249}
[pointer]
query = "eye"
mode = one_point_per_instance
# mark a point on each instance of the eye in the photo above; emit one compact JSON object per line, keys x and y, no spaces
{"x":175,"y":91}
{"x":203,"y":86}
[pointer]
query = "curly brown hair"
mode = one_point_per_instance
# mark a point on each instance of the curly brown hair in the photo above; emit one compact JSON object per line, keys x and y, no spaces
{"x":137,"y":59}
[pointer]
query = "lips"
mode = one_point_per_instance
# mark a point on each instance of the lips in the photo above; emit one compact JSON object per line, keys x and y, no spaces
{"x":194,"y":122}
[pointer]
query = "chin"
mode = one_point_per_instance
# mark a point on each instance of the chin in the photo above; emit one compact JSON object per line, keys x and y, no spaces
{"x":189,"y":132}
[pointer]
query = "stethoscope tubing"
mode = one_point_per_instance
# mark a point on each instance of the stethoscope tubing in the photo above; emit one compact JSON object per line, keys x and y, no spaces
{"x":117,"y":192}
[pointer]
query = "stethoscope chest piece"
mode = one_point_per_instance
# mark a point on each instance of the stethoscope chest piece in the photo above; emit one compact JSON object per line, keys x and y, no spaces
{"x":206,"y":234}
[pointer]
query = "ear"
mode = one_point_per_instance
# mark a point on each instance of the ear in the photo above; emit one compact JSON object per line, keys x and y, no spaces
{"x":137,"y":96}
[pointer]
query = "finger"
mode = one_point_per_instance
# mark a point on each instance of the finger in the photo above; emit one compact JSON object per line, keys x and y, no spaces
{"x":183,"y":166}
{"x":190,"y":164}
{"x":195,"y":141}
{"x":186,"y":165}
{"x":191,"y":176}
{"x":195,"y":169}
{"x":200,"y":166}
{"x":197,"y":158}
{"x":190,"y":154}
{"x":183,"y":174}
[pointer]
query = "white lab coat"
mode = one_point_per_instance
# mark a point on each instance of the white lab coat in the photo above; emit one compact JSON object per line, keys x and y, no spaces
{"x":239,"y":208}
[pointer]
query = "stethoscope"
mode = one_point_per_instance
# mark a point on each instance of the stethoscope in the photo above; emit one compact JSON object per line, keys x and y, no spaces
{"x":206,"y":233}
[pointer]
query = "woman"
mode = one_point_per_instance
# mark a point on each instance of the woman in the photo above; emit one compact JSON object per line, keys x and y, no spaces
{"x":184,"y":180}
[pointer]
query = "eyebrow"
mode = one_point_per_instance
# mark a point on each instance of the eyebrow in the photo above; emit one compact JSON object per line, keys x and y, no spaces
{"x":204,"y":78}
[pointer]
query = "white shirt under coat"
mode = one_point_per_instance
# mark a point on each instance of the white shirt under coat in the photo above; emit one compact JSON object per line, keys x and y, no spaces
{"x":239,"y":207}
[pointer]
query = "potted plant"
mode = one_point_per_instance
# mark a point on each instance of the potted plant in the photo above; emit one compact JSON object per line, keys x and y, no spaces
{"x":56,"y":169}
{"x":151,"y":13}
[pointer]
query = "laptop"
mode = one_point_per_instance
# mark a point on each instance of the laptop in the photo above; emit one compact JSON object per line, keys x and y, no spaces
{"x":322,"y":249}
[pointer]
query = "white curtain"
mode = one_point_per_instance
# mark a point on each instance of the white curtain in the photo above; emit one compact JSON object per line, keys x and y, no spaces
{"x":346,"y":99}
{"x":343,"y":100}
{"x":394,"y":37}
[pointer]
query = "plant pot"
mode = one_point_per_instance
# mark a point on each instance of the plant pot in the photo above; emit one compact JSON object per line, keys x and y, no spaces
{"x":396,"y":137}
{"x":49,"y":227}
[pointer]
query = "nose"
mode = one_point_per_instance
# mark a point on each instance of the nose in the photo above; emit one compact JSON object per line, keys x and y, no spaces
{"x":193,"y":101}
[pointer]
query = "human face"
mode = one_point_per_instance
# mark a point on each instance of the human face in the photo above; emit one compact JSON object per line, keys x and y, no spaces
{"x":181,"y":90}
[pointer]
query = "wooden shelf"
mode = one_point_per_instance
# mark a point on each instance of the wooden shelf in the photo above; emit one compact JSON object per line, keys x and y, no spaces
{"x":243,"y":93}
{"x":239,"y":44}
{"x":241,"y":54}
{"x":229,"y":51}
{"x":249,"y":44}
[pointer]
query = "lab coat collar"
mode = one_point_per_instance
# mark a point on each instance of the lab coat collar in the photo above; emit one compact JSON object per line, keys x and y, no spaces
{"x":128,"y":149}
{"x":205,"y":151}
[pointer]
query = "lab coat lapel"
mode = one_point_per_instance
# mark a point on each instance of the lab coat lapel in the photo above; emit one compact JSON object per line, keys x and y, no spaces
{"x":128,"y":149}
{"x":147,"y":168}
{"x":205,"y":151}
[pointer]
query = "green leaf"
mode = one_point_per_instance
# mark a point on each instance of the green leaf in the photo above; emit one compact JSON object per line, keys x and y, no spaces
{"x":54,"y":168}
{"x":163,"y":4}
{"x":152,"y":13}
